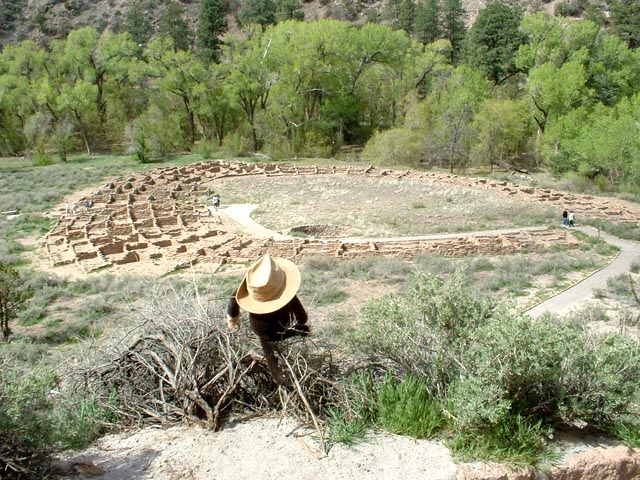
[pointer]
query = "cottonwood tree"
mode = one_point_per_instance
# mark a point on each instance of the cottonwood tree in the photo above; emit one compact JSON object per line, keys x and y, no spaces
{"x":452,"y":106}
{"x":21,"y":68}
{"x":13,"y":295}
{"x":554,"y":91}
{"x":83,"y":73}
{"x":502,"y":132}
{"x":176,"y":72}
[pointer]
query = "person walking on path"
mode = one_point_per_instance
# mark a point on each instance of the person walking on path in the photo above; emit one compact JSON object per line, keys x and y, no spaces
{"x":565,"y":219}
{"x":571,"y":219}
{"x":216,"y":201}
{"x":268,"y":293}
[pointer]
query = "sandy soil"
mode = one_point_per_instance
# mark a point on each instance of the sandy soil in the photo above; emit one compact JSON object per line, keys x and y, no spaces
{"x":262,"y":448}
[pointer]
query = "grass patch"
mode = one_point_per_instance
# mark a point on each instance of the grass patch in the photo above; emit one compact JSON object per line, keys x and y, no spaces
{"x":514,"y":441}
{"x":628,"y":231}
{"x":329,"y":294}
{"x":406,"y":408}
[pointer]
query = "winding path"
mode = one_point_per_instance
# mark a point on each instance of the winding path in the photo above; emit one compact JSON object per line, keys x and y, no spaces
{"x":560,"y":304}
{"x":576,"y":295}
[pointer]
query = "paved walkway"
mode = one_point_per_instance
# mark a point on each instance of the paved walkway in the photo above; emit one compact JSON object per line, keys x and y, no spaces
{"x":562,"y":303}
{"x":576,"y":295}
{"x":241,"y":214}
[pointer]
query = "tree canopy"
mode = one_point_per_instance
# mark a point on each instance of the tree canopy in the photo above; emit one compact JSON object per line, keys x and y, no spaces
{"x":513,"y":88}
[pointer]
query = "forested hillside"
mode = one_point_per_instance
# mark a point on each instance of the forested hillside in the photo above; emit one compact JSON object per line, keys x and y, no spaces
{"x":415,"y":84}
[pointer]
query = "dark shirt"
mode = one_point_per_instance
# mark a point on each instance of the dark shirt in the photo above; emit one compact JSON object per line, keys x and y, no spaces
{"x":274,"y":326}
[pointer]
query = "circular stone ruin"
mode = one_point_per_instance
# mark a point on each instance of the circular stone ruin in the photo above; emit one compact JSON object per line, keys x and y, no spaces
{"x":158,"y":221}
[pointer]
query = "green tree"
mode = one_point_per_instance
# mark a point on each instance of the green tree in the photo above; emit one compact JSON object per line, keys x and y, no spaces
{"x":21,"y":68}
{"x":172,"y":24}
{"x":400,"y":14}
{"x":427,"y":24}
{"x":84,"y":72}
{"x":554,"y":91}
{"x":261,"y":12}
{"x":452,"y":25}
{"x":211,"y":25}
{"x":176,"y":72}
{"x":407,"y":17}
{"x":599,"y":142}
{"x":451,"y":108}
{"x":217,"y":111}
{"x":136,"y":23}
{"x":625,"y":21}
{"x":289,"y":10}
{"x":502,"y":132}
{"x":493,"y":40}
{"x":13,"y":296}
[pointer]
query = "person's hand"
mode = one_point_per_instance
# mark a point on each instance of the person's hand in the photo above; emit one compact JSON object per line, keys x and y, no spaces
{"x":233,"y":322}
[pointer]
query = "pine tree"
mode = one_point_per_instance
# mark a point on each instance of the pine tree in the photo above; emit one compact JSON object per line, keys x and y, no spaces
{"x":261,"y":12}
{"x":427,"y":24}
{"x":625,"y":21}
{"x":289,"y":10}
{"x":136,"y":22}
{"x":493,"y":41}
{"x":211,"y":25}
{"x":407,"y":16}
{"x":172,"y":24}
{"x":453,"y":25}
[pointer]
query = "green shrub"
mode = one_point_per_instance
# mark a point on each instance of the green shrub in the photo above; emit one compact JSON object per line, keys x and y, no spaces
{"x":514,"y":441}
{"x":397,"y":146}
{"x":33,"y":422}
{"x":506,"y":380}
{"x":544,"y":370}
{"x":423,"y":332}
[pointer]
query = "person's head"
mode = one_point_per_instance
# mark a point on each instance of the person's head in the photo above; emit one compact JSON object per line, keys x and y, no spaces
{"x":270,"y":283}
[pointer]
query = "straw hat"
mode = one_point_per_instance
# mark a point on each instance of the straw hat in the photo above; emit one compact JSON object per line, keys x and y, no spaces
{"x":270,"y":283}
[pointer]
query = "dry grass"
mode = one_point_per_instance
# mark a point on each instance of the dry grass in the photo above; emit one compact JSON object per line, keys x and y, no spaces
{"x":379,"y":207}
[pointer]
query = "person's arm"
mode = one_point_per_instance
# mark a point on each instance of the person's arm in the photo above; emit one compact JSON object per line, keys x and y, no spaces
{"x":298,"y":311}
{"x":233,"y":314}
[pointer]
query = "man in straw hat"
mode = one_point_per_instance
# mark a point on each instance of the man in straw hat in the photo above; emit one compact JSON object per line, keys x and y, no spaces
{"x":268,"y":293}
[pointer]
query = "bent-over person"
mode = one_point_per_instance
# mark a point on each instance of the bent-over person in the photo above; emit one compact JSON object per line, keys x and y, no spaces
{"x":268,"y":293}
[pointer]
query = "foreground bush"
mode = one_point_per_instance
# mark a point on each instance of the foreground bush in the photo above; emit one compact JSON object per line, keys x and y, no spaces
{"x":37,"y":417}
{"x":504,"y":380}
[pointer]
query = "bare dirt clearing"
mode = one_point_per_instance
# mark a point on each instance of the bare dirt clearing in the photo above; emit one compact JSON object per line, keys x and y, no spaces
{"x":379,"y":206}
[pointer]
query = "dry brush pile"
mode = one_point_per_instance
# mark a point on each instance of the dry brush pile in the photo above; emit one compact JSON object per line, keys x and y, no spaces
{"x":179,"y":363}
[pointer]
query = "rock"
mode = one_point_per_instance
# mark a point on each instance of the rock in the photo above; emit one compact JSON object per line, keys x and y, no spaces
{"x":619,"y":463}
